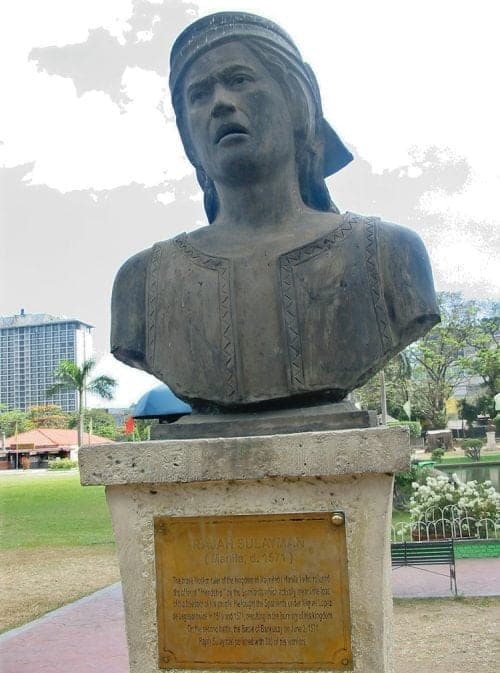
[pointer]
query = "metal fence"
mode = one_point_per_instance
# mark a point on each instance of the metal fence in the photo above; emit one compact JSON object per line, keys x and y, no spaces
{"x":447,"y":522}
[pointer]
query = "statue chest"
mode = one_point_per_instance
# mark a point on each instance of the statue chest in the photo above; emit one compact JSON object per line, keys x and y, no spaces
{"x":263,"y":327}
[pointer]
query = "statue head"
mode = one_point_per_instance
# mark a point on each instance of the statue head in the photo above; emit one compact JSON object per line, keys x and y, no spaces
{"x":319,"y":152}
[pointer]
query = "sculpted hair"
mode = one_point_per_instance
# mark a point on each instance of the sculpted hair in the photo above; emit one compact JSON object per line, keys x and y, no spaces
{"x":307,"y":120}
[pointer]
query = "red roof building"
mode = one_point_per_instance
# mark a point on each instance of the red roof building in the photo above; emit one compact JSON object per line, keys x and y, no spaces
{"x":35,"y":447}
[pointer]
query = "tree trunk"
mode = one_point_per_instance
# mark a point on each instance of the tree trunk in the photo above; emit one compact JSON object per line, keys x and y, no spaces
{"x":383,"y":397}
{"x":80,"y":419}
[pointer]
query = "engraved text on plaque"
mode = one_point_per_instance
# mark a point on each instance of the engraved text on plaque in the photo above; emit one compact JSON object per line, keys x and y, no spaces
{"x":253,"y":591}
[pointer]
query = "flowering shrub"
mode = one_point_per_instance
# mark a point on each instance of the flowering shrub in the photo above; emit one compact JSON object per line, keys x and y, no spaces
{"x":443,"y":507}
{"x":62,"y":464}
{"x":413,"y":426}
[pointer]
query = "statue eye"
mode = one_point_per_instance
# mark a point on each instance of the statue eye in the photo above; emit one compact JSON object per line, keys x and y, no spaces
{"x":198,"y":95}
{"x":239,"y":80}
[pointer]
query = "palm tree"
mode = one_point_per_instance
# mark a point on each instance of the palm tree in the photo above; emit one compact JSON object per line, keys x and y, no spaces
{"x":70,"y":375}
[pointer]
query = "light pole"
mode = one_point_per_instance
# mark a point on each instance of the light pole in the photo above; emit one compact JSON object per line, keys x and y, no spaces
{"x":383,"y":398}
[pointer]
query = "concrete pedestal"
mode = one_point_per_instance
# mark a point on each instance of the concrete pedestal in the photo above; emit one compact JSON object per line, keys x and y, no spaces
{"x":491,"y":443}
{"x":347,"y":470}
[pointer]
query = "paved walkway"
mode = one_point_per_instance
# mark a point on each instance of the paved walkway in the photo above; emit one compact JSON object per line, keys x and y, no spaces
{"x":475,"y":577}
{"x":88,"y":636}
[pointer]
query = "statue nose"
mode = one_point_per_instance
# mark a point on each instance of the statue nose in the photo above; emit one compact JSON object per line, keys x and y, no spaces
{"x":222,"y":103}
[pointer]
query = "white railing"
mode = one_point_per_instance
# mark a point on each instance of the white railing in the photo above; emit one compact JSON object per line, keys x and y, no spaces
{"x":447,"y":522}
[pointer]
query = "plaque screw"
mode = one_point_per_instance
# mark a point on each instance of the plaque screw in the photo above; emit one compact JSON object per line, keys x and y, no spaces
{"x":344,"y":662}
{"x":338,"y":519}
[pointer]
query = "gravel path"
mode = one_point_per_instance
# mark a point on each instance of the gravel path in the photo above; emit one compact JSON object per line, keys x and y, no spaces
{"x":447,"y":635}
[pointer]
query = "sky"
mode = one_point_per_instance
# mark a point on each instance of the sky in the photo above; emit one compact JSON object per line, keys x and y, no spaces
{"x":92,"y":169}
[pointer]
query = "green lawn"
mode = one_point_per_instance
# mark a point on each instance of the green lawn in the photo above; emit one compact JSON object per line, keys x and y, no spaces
{"x":485,"y":458}
{"x":399,"y":516}
{"x":51,"y":510}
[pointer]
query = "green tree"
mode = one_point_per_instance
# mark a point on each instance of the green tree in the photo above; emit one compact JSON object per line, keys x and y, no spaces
{"x":482,"y":405}
{"x":422,"y":377}
{"x":70,"y":375}
{"x":482,"y":357}
{"x":47,"y":416}
{"x":398,"y":385}
{"x":14,"y":420}
{"x":97,"y":421}
{"x":437,"y":359}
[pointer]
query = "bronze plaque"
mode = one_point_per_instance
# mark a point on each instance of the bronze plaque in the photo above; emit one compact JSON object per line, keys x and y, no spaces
{"x":256,"y":591}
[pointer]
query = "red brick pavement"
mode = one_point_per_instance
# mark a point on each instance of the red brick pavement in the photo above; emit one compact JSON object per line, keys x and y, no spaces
{"x":89,"y":636}
{"x":475,"y":577}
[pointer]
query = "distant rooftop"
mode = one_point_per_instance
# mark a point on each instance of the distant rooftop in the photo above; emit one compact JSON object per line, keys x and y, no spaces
{"x":34,"y":319}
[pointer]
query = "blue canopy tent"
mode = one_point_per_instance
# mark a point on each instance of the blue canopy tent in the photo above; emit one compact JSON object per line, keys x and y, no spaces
{"x":160,"y":402}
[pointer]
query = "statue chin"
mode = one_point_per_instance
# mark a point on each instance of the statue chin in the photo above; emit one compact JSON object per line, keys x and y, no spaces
{"x":241,"y":165}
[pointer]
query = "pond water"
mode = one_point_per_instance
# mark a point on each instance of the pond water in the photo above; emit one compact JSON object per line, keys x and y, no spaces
{"x":475,"y":473}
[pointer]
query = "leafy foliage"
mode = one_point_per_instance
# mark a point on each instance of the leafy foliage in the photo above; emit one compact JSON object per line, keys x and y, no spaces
{"x":398,"y":386}
{"x":482,"y":405}
{"x":472,"y":448}
{"x":47,"y":416}
{"x":62,"y":464}
{"x":438,"y":454}
{"x":403,"y":482}
{"x":70,"y":375}
{"x":483,"y":359}
{"x":441,"y":498}
{"x":141,"y":432}
{"x":496,"y":422}
{"x":424,"y":376}
{"x":437,"y":359}
{"x":14,"y":421}
{"x":98,"y":422}
{"x":43,"y":416}
{"x":413,"y":426}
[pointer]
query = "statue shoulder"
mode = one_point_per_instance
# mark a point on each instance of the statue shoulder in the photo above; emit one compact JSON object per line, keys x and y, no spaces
{"x":128,"y":310}
{"x":407,"y":282}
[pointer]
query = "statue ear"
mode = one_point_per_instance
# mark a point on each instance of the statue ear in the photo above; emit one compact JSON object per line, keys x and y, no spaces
{"x":303,"y":113}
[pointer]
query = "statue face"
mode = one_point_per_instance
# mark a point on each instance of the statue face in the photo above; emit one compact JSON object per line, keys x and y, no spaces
{"x":237,"y":116}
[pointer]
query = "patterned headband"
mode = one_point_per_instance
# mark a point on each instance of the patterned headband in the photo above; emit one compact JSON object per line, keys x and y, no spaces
{"x":215,"y":29}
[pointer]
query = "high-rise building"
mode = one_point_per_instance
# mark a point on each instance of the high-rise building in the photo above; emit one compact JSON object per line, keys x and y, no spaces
{"x":31,"y":347}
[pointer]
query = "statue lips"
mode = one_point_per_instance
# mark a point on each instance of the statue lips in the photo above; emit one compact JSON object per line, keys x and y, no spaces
{"x":229,"y":129}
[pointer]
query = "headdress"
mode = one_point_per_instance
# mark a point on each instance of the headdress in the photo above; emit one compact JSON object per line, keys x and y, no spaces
{"x":215,"y":29}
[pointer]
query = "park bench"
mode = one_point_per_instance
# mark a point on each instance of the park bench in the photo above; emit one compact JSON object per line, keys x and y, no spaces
{"x":435,"y":552}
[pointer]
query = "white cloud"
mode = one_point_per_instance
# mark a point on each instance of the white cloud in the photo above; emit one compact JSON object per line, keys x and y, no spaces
{"x":144,"y":87}
{"x":459,"y":261}
{"x":88,"y":142}
{"x":132,"y":383}
{"x":393,"y":76}
{"x":475,"y":201}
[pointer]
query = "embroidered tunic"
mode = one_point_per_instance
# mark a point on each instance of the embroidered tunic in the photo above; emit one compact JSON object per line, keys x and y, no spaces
{"x":322,"y":319}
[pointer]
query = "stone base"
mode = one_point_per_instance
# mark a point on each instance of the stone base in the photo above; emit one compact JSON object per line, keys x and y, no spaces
{"x":347,"y":470}
{"x":339,"y":416}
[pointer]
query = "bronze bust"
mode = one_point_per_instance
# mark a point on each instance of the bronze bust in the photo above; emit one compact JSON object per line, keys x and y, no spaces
{"x":280,"y":300}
